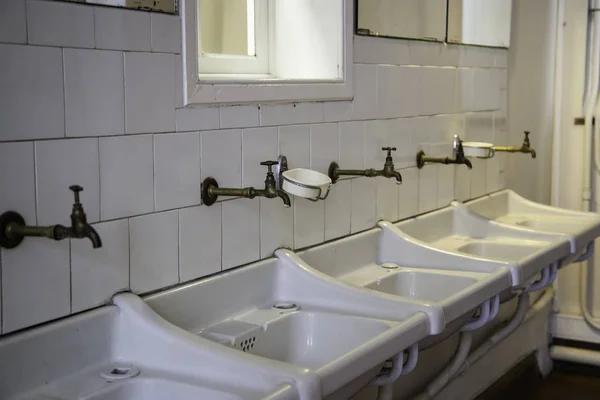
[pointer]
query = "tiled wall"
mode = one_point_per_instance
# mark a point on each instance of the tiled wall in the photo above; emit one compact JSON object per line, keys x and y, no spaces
{"x":92,"y":96}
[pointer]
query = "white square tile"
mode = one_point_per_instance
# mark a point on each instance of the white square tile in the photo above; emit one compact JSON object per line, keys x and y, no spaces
{"x":258,"y":145}
{"x":222,"y":157}
{"x":462,"y":183}
{"x":445,"y":188}
{"x":276,"y":226}
{"x":401,"y":134}
{"x":97,"y":274}
{"x":94,"y":98}
{"x":179,"y":86}
{"x":408,"y":193}
{"x":364,"y":105}
{"x":166,"y":33}
{"x":324,"y":146}
{"x":126,"y":176}
{"x":241,"y":242}
{"x":387,"y":199}
{"x":294,"y":143}
{"x":199,"y":241}
{"x":464,"y":89}
{"x":438,"y":94}
{"x":32,"y":80}
{"x":35,"y":283}
{"x":309,"y":222}
{"x":197,"y":118}
{"x":176,"y":170}
{"x":307,"y":113}
{"x":54,"y":23}
{"x":338,"y":212}
{"x":372,"y":50}
{"x":487,"y":88}
{"x":393,"y":83}
{"x":149,"y":92}
{"x":239,"y":116}
{"x":492,"y":170}
{"x":352,"y":145}
{"x":478,"y":176}
{"x":429,"y":53}
{"x":118,"y":29}
{"x":60,"y":164}
{"x":428,"y":197}
{"x":154,"y":251}
{"x":13,"y":25}
{"x":17,"y":172}
{"x":276,"y":114}
{"x":364,"y":204}
{"x":479,"y":127}
{"x":337,"y":111}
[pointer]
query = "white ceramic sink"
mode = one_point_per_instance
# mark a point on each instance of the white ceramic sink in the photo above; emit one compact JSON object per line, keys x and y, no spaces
{"x":457,"y":230}
{"x":509,"y":208}
{"x":284,"y":315}
{"x":382,"y":260}
{"x":126,"y":353}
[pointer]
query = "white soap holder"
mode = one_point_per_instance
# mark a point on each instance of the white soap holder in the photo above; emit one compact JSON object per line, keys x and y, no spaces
{"x":478,"y":149}
{"x":302,"y":182}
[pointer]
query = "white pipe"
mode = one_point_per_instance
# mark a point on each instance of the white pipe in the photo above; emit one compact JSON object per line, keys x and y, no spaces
{"x":462,"y":360}
{"x":515,"y":322}
{"x":444,"y":377}
{"x":571,"y":354}
{"x":386,"y":392}
{"x":558,"y":72}
{"x":589,"y":157}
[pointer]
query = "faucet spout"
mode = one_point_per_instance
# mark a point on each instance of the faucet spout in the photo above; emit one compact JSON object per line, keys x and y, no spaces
{"x":284,"y":197}
{"x":467,"y":162}
{"x":94,"y":237}
{"x":398,"y":177}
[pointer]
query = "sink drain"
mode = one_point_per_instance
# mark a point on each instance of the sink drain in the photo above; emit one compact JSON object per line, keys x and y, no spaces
{"x":390,"y":266}
{"x":120,"y":372}
{"x":286,"y":306}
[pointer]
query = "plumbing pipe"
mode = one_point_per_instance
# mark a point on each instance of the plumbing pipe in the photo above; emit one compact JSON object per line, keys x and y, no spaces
{"x":589,"y":157}
{"x":386,"y":382}
{"x":558,"y":85}
{"x":389,"y":377}
{"x":543,"y":281}
{"x":386,"y":392}
{"x":484,"y":316}
{"x":460,"y":356}
{"x":462,"y":360}
{"x":574,"y":355}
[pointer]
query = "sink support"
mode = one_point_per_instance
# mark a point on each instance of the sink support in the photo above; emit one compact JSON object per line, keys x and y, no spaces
{"x":399,"y":366}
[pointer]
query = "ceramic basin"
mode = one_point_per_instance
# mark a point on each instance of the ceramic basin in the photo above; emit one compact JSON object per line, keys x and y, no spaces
{"x":282,"y":315}
{"x":456,"y":229}
{"x":498,"y":250}
{"x":157,"y":389}
{"x":509,"y":208}
{"x":422,"y":285}
{"x":124,"y":352}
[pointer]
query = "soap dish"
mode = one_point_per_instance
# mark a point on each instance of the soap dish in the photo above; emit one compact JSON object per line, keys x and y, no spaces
{"x":302,"y":182}
{"x":478,"y":149}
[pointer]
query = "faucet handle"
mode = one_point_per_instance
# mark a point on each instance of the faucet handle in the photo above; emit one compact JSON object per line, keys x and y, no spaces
{"x":389,"y":150}
{"x":269,"y":165}
{"x":76,"y":189}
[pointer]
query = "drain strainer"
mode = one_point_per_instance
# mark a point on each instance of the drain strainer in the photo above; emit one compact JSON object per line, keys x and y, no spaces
{"x":120,"y":372}
{"x":390,"y":266}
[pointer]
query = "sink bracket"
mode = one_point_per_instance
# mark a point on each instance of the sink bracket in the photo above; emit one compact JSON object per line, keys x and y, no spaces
{"x":399,"y":367}
{"x":484,"y":317}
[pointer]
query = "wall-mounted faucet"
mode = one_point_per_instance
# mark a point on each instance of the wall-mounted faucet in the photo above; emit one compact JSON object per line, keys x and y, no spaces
{"x":211,"y":190}
{"x":13,"y":229}
{"x":388,"y":170}
{"x":458,"y":156}
{"x":525,"y":147}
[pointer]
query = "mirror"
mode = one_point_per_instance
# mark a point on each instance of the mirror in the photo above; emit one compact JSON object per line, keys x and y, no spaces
{"x":167,"y":6}
{"x":479,"y":22}
{"x":473,"y":22}
{"x":408,"y":19}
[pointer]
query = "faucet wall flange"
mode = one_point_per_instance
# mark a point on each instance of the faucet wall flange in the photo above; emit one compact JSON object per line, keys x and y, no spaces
{"x":208,"y":198}
{"x":8,"y":239}
{"x":420,"y":159}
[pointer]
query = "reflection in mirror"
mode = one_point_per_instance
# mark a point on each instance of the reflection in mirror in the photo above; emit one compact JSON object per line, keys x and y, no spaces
{"x":167,"y":6}
{"x":227,"y":27}
{"x":479,"y":22}
{"x":410,"y":19}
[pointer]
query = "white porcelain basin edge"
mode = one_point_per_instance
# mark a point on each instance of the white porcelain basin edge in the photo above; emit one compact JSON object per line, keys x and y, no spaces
{"x":139,"y":317}
{"x":349,"y":299}
{"x":397,"y":245}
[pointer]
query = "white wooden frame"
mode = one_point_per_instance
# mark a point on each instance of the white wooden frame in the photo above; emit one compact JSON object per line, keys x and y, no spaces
{"x":244,"y":64}
{"x":259,"y":89}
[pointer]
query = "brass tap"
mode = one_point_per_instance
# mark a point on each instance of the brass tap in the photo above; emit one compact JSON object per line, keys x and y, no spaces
{"x":13,"y":229}
{"x":211,"y":190}
{"x":458,"y":156}
{"x":525,"y":147}
{"x":387,"y":171}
